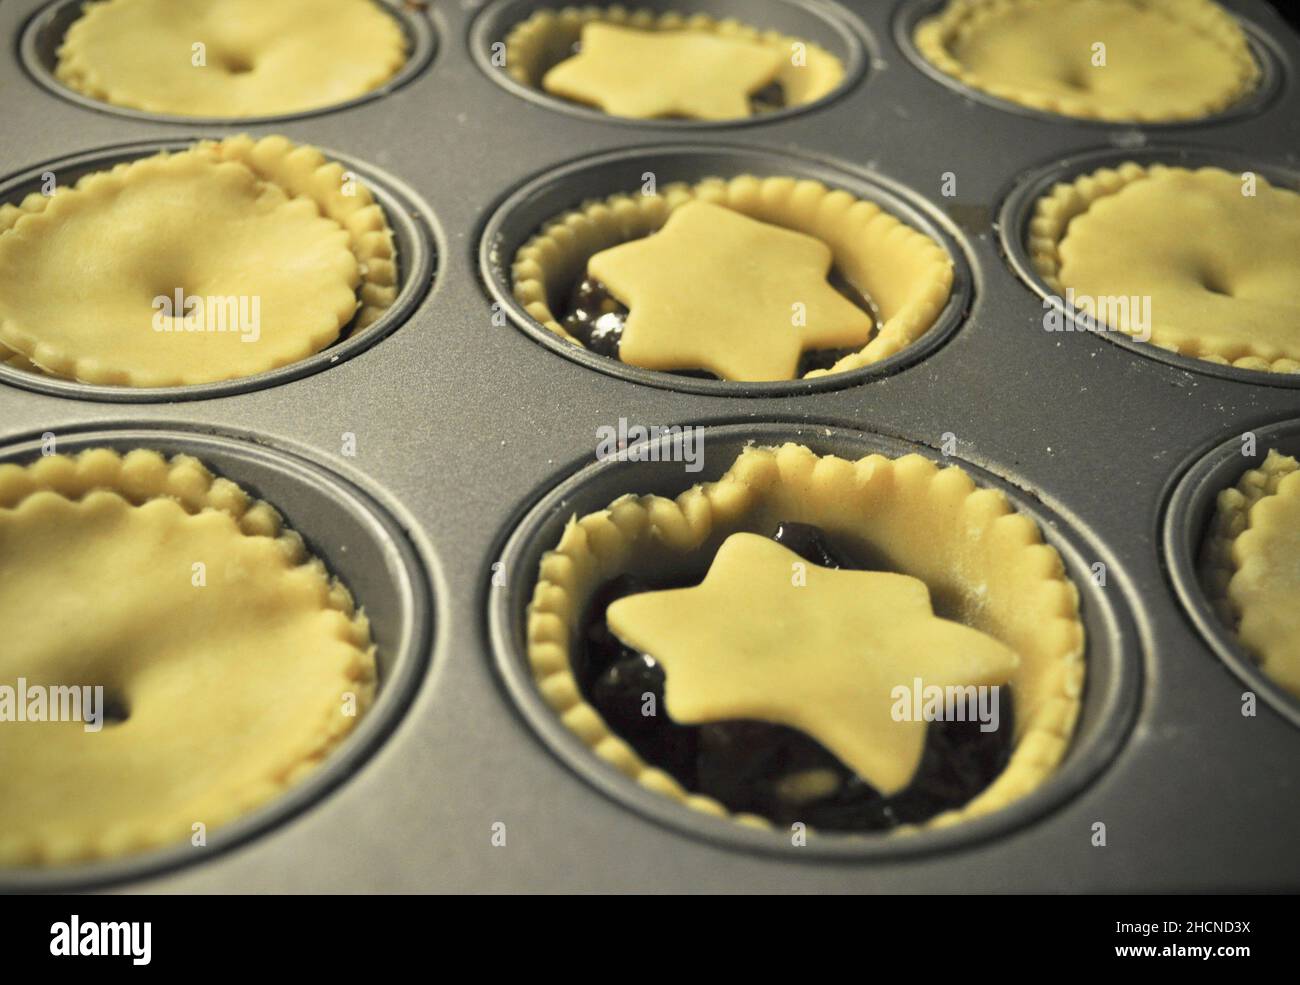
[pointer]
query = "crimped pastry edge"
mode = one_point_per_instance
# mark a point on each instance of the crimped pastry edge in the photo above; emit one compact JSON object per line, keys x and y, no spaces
{"x":1218,"y":562}
{"x":300,"y":170}
{"x":933,"y":34}
{"x":1049,"y":226}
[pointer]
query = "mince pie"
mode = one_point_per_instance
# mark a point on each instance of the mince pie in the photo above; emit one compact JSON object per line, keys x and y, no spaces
{"x":224,"y":260}
{"x":1199,"y":262}
{"x":747,"y":279}
{"x":230,"y":58}
{"x":1141,"y":61}
{"x":1250,"y":566}
{"x":759,"y":646}
{"x":231,"y":662}
{"x":644,"y":65}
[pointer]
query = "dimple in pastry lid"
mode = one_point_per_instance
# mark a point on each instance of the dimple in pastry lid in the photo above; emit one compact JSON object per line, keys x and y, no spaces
{"x":359,"y":543}
{"x":1107,"y":703}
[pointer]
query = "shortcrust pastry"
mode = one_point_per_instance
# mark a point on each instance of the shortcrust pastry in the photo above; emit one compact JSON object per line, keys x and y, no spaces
{"x":230,"y":58}
{"x":1216,"y":253}
{"x":644,"y":65}
{"x":1250,"y":565}
{"x":231,"y":661}
{"x":1145,"y":61}
{"x":224,"y":260}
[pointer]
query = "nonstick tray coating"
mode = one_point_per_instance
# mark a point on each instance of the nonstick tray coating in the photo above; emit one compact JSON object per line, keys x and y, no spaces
{"x":463,"y":422}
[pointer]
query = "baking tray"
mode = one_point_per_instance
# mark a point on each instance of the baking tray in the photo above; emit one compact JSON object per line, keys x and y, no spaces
{"x":463,"y":424}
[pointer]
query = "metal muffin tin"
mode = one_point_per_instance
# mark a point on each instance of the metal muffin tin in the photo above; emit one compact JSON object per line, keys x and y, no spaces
{"x":463,"y":424}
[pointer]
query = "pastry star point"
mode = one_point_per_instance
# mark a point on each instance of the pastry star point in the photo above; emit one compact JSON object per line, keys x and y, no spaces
{"x":823,"y":657}
{"x":718,"y":290}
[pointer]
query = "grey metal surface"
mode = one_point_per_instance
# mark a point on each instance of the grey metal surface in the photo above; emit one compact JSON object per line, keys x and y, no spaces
{"x":462,"y":423}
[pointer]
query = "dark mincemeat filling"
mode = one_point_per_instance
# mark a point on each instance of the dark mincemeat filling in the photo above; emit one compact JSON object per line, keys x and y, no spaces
{"x":755,"y":767}
{"x":768,"y":99}
{"x":596,"y":318}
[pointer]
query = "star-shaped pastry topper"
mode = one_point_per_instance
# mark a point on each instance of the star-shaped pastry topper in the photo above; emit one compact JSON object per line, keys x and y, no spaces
{"x":750,"y":642}
{"x":717,"y":290}
{"x":648,"y":74}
